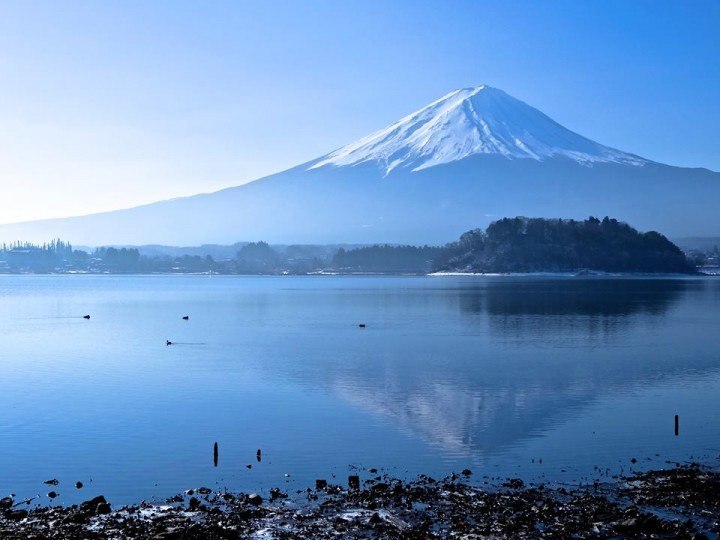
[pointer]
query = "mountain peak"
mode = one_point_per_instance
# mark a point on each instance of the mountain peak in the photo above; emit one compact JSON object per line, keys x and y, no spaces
{"x":472,"y":121}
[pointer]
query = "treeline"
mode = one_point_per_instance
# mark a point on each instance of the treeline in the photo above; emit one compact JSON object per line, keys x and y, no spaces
{"x":61,"y":257}
{"x":386,"y":258}
{"x":42,"y":258}
{"x":557,"y":245}
{"x":508,"y":245}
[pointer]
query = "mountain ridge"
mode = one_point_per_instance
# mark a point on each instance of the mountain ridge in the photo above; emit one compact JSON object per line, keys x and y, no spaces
{"x":470,"y":121}
{"x":346,"y":196}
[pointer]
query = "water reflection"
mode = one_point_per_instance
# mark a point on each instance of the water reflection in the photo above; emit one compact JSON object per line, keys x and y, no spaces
{"x":480,"y":393}
{"x":596,"y":297}
{"x":469,"y":369}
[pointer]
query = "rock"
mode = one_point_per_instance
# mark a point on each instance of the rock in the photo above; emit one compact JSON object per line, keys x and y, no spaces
{"x":321,"y":484}
{"x":78,"y":485}
{"x":275,"y":493}
{"x":204,"y":491}
{"x":169,"y":534}
{"x":79,"y":518}
{"x":373,"y":471}
{"x":249,"y":465}
{"x":380,"y":487}
{"x":16,"y":515}
{"x":354,"y":481}
{"x":53,"y":482}
{"x":255,"y":499}
{"x":91,"y":507}
{"x":466,"y":472}
{"x":514,"y":483}
{"x":5,"y":502}
{"x":102,"y":509}
{"x":633,"y":461}
{"x":193,"y":503}
{"x":52,"y":494}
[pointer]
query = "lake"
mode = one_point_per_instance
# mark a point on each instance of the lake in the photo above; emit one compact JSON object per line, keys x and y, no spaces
{"x":546,"y":378}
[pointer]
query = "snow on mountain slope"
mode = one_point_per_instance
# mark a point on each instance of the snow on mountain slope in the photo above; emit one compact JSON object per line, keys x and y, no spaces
{"x":470,"y":121}
{"x":463,"y":161}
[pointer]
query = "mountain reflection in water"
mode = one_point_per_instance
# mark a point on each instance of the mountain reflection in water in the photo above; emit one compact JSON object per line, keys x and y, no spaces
{"x":532,"y":352}
{"x":449,"y":372}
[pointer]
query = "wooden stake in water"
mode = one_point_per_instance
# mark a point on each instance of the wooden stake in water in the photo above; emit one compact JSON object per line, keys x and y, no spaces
{"x":677,"y":425}
{"x":215,"y":454}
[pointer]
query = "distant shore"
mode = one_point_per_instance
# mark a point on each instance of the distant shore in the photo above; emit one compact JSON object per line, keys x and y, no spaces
{"x":712,"y":272}
{"x":680,"y":502}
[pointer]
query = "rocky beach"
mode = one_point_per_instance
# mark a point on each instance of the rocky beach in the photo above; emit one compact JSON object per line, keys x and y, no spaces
{"x":682,"y":501}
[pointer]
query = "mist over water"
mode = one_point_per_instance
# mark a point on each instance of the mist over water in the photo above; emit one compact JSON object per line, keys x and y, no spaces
{"x":490,"y":373}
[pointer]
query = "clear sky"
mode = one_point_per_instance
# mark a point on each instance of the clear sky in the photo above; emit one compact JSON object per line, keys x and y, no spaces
{"x":108,"y":104}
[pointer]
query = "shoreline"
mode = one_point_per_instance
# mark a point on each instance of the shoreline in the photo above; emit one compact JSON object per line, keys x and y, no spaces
{"x":583,"y":275}
{"x":682,"y":501}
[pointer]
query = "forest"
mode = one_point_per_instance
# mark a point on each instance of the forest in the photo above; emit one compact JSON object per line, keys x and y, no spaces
{"x":509,"y":245}
{"x":562,"y":245}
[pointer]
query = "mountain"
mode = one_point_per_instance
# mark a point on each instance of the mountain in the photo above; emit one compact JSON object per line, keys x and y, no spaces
{"x":469,"y":158}
{"x":472,"y":121}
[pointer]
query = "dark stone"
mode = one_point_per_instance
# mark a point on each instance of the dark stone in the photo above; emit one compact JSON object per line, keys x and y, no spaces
{"x":52,"y":494}
{"x":78,"y":518}
{"x":169,"y":534}
{"x":275,"y":493}
{"x":255,"y":499}
{"x":321,"y":484}
{"x":354,"y":481}
{"x":633,"y":461}
{"x":53,"y":482}
{"x":16,"y":515}
{"x":102,"y":509}
{"x":204,"y":491}
{"x":514,"y":483}
{"x":5,"y":502}
{"x":193,"y":503}
{"x":78,"y":485}
{"x":90,"y":507}
{"x":466,"y":472}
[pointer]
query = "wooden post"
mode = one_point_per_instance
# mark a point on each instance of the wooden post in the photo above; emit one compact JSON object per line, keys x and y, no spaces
{"x":215,"y":454}
{"x":677,"y":425}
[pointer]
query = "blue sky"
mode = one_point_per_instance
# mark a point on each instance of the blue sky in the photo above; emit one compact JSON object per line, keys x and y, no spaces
{"x":109,"y":104}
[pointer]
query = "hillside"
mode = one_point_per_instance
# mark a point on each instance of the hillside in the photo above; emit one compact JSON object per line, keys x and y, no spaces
{"x":555,"y":245}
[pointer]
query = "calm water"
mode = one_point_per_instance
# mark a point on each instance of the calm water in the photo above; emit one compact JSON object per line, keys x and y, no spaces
{"x":494,"y":374}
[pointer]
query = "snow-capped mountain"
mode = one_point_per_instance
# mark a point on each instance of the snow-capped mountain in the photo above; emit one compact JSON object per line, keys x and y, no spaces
{"x":471,"y":121}
{"x":473,"y":156}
